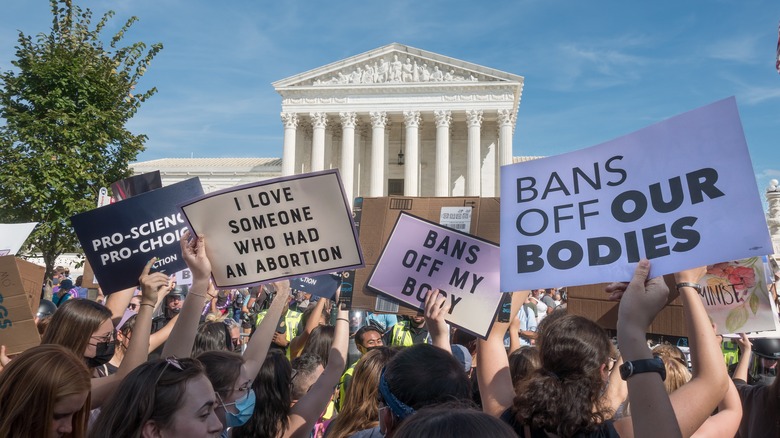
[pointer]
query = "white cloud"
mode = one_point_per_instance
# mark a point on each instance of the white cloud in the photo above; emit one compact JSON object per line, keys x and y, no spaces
{"x":743,"y":49}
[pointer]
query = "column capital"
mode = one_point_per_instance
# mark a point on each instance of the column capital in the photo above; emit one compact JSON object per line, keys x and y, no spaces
{"x":348,"y":119}
{"x":290,"y":120}
{"x":443,"y":118}
{"x":506,"y":117}
{"x":378,"y":119}
{"x":474,"y":118}
{"x":412,"y":119}
{"x":319,"y":120}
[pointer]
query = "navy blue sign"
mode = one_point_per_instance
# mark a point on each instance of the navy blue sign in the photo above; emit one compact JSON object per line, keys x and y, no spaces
{"x":321,"y":285}
{"x":119,"y":239}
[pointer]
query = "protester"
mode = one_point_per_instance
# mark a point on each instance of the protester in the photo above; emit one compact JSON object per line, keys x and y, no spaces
{"x":522,"y":363}
{"x":166,"y":397}
{"x":65,"y":292}
{"x":360,"y":407}
{"x":86,"y":328}
{"x":564,"y":396}
{"x":447,"y":421}
{"x":366,"y":338}
{"x":319,"y":342}
{"x":44,"y":392}
{"x":760,"y":402}
{"x":313,"y":317}
{"x":273,"y":400}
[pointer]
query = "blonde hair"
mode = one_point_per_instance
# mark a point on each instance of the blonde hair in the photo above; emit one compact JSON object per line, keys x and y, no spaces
{"x":677,"y":373}
{"x":361,"y":405}
{"x":33,"y":383}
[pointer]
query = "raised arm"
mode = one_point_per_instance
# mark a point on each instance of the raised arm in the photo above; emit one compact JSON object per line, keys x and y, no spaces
{"x":138,"y":349}
{"x":298,"y":342}
{"x":745,"y":349}
{"x":495,"y":381}
{"x":308,"y":409}
{"x":436,"y":307}
{"x":160,"y":336}
{"x":182,"y":336}
{"x":514,"y":332}
{"x":695,"y":401}
{"x":726,"y":421}
{"x":260,"y":342}
{"x":651,"y":410}
{"x":117,"y":303}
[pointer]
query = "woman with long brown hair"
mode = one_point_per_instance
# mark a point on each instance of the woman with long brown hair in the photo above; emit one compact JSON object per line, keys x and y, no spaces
{"x":44,"y":392}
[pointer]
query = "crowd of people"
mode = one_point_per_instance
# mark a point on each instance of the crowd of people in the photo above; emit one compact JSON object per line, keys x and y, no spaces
{"x":165,"y":360}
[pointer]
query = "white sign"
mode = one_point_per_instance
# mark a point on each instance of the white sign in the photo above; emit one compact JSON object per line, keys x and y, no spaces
{"x":12,"y":237}
{"x":282,"y":228}
{"x":457,"y":218}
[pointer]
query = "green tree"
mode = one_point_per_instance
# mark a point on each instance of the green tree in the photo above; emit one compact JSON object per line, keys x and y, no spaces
{"x":65,"y":107}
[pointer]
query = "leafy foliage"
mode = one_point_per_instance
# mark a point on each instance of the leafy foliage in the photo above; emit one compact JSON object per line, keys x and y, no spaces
{"x":65,"y":108}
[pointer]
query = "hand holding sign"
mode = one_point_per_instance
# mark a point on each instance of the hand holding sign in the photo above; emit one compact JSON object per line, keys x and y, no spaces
{"x":193,"y":249}
{"x":436,"y":308}
{"x":642,"y":299}
{"x":151,"y":284}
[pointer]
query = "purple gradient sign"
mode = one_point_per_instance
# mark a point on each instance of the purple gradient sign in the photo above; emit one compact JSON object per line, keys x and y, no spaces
{"x":681,"y":193}
{"x":420,"y":256}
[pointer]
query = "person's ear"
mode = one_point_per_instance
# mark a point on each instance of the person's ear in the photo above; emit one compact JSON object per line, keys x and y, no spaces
{"x":151,"y":430}
{"x":604,"y":372}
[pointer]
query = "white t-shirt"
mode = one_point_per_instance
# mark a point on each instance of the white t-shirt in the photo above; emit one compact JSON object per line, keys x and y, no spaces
{"x":541,"y":309}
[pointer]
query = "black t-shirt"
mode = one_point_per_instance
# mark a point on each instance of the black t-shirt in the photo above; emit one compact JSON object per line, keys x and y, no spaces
{"x":758,"y":418}
{"x":604,"y":430}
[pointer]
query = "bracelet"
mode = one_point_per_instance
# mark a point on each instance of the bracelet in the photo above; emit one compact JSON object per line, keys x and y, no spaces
{"x":696,"y":286}
{"x":148,"y":304}
{"x":343,"y":319}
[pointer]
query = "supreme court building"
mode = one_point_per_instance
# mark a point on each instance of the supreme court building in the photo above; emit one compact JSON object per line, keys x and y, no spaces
{"x":395,"y":121}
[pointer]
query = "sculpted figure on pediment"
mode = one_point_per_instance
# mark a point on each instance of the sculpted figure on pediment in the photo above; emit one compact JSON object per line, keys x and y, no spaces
{"x":425,"y":74}
{"x":382,"y":71}
{"x":368,"y":75}
{"x":395,"y":69}
{"x":408,"y":71}
{"x":437,"y":75}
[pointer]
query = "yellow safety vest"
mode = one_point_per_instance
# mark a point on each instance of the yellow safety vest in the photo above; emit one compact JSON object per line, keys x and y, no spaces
{"x":402,"y":335}
{"x":291,"y":320}
{"x":342,"y":389}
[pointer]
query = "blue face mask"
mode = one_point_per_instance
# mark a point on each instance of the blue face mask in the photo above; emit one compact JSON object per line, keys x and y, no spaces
{"x":245,"y":407}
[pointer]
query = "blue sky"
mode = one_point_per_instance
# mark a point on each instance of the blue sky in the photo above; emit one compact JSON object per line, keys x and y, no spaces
{"x":593,"y":70}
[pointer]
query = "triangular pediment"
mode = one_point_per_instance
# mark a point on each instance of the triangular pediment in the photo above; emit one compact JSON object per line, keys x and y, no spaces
{"x":393,"y":65}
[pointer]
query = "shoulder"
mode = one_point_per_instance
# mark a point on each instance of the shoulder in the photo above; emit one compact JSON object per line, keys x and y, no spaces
{"x":367,"y":433}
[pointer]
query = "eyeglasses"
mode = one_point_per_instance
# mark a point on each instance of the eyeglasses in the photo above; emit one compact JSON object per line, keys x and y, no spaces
{"x":243,"y":388}
{"x":107,"y":339}
{"x":172,"y":361}
{"x":132,"y":306}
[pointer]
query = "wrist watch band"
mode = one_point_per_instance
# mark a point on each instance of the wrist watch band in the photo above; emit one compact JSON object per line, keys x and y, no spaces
{"x":696,"y":286}
{"x":633,"y":367}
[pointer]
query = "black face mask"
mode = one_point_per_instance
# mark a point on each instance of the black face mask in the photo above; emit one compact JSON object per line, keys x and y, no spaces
{"x":104,"y":351}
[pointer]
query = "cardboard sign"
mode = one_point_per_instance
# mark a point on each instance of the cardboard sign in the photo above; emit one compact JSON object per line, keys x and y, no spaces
{"x":20,"y":293}
{"x":736,"y":297}
{"x":275,"y":229}
{"x":421,"y":256}
{"x":135,"y":185}
{"x":184,"y":277}
{"x":321,"y":285}
{"x":119,"y":239}
{"x":680,"y":193}
{"x":13,"y":236}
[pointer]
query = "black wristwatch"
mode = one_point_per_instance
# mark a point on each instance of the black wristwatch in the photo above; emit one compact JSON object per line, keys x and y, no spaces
{"x":654,"y":365}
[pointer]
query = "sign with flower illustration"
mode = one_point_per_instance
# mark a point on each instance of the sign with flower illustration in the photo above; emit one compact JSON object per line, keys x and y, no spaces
{"x":736,"y":296}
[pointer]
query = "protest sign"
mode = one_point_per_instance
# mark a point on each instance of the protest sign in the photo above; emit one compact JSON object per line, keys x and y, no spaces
{"x":421,"y":256}
{"x":736,"y":297}
{"x":275,"y":229}
{"x":119,"y":239}
{"x":20,"y":293}
{"x":135,"y":185}
{"x":323,"y":286}
{"x":12,"y":237}
{"x":184,"y":277}
{"x":681,"y":193}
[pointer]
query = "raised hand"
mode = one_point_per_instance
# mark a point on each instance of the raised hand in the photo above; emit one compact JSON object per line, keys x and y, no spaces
{"x":642,"y":299}
{"x":151,"y":284}
{"x":193,"y":249}
{"x":436,"y":307}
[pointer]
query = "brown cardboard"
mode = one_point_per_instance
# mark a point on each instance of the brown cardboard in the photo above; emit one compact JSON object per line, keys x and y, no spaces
{"x":88,"y":277}
{"x":20,"y":289}
{"x":379,"y":216}
{"x":591,"y":302}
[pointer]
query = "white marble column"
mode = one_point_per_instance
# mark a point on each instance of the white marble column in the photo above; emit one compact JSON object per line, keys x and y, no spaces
{"x":412,"y":163}
{"x":318,"y":123}
{"x":441,"y":185}
{"x":290,"y":121}
{"x":347,"y":167}
{"x":474,"y":123}
{"x":378,"y":122}
{"x":505,"y":121}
